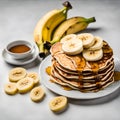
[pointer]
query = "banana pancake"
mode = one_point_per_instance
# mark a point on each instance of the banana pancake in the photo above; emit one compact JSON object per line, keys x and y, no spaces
{"x":78,"y":73}
{"x":86,"y":77}
{"x":77,"y":62}
{"x":96,"y":87}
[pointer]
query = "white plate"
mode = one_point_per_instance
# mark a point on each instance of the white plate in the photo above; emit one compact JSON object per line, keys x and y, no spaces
{"x":73,"y":93}
{"x":25,"y":61}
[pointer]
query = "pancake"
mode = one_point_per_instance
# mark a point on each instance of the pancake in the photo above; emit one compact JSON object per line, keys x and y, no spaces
{"x":83,"y":89}
{"x":79,"y":74}
{"x":83,"y":76}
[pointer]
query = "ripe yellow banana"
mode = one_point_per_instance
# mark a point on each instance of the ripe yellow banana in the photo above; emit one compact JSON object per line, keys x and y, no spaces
{"x":70,"y":26}
{"x":39,"y":28}
{"x":51,"y":24}
{"x":46,"y":25}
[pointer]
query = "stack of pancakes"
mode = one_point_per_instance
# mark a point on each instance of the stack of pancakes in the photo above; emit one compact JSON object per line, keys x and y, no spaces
{"x":77,"y":73}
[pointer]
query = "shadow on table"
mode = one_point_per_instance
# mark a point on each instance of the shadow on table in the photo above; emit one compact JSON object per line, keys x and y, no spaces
{"x":91,"y":30}
{"x":34,"y":63}
{"x":96,"y":101}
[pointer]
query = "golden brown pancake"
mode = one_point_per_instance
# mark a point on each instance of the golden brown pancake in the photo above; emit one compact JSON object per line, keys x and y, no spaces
{"x":77,"y":73}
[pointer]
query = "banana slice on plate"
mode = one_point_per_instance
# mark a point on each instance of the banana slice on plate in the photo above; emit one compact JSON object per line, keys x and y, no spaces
{"x":17,"y":73}
{"x":24,"y":85}
{"x":34,"y":76}
{"x":72,"y":47}
{"x":68,"y":37}
{"x":58,"y":104}
{"x":37,"y":94}
{"x":98,"y":44}
{"x":87,"y":39}
{"x":91,"y":55}
{"x":10,"y":88}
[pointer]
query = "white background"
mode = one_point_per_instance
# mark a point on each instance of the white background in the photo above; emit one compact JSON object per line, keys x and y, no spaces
{"x":17,"y":21}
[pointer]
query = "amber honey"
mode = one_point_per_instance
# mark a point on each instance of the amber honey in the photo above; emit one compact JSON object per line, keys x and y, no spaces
{"x":19,"y":49}
{"x":48,"y":70}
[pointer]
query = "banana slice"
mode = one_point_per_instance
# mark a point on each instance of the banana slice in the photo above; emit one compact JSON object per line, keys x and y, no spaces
{"x":87,"y":39}
{"x":24,"y":85}
{"x":17,"y":73}
{"x":34,"y":76}
{"x":98,"y":44}
{"x":58,"y":104}
{"x":91,"y":55}
{"x":37,"y":94}
{"x":68,"y":37}
{"x":10,"y":88}
{"x":72,"y":47}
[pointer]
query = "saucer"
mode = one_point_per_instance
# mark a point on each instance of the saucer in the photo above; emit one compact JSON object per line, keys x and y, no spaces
{"x":8,"y":58}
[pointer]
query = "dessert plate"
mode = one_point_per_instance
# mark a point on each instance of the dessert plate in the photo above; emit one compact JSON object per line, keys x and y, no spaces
{"x":74,"y":94}
{"x":25,"y":61}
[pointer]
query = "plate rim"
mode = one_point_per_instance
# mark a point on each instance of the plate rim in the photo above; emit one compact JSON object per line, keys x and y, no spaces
{"x":113,"y":87}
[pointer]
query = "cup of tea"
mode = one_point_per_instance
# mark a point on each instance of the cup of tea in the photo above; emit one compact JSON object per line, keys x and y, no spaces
{"x":19,"y":49}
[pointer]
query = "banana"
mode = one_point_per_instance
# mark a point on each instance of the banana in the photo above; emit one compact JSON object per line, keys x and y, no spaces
{"x":87,"y":39}
{"x":46,"y":25}
{"x":58,"y":104}
{"x":17,"y":73}
{"x":37,"y":94}
{"x":39,"y":27}
{"x":70,"y":26}
{"x":91,"y":55}
{"x":98,"y":43}
{"x":38,"y":38}
{"x":72,"y":47}
{"x":67,"y":38}
{"x":24,"y":85}
{"x":10,"y":88}
{"x":53,"y":22}
{"x":34,"y":76}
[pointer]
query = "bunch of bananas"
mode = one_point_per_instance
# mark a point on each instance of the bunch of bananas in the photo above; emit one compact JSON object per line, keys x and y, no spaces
{"x":54,"y":25}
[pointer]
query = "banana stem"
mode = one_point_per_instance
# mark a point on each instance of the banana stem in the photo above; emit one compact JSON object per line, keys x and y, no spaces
{"x":65,"y":10}
{"x":67,"y":4}
{"x":47,"y":45}
{"x":90,"y":20}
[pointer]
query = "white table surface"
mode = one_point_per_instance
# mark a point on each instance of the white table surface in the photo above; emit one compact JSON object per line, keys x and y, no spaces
{"x":17,"y":21}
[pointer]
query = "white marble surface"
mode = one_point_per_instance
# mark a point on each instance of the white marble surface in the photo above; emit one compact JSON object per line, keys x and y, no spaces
{"x":17,"y":21}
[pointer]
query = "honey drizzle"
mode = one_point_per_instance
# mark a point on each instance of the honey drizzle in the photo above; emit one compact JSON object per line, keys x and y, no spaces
{"x":80,"y":65}
{"x":48,"y":70}
{"x":107,"y":51}
{"x":52,"y":81}
{"x":66,"y":88}
{"x":116,"y":75}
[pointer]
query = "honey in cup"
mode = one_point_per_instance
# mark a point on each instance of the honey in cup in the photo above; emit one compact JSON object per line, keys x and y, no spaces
{"x":19,"y":49}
